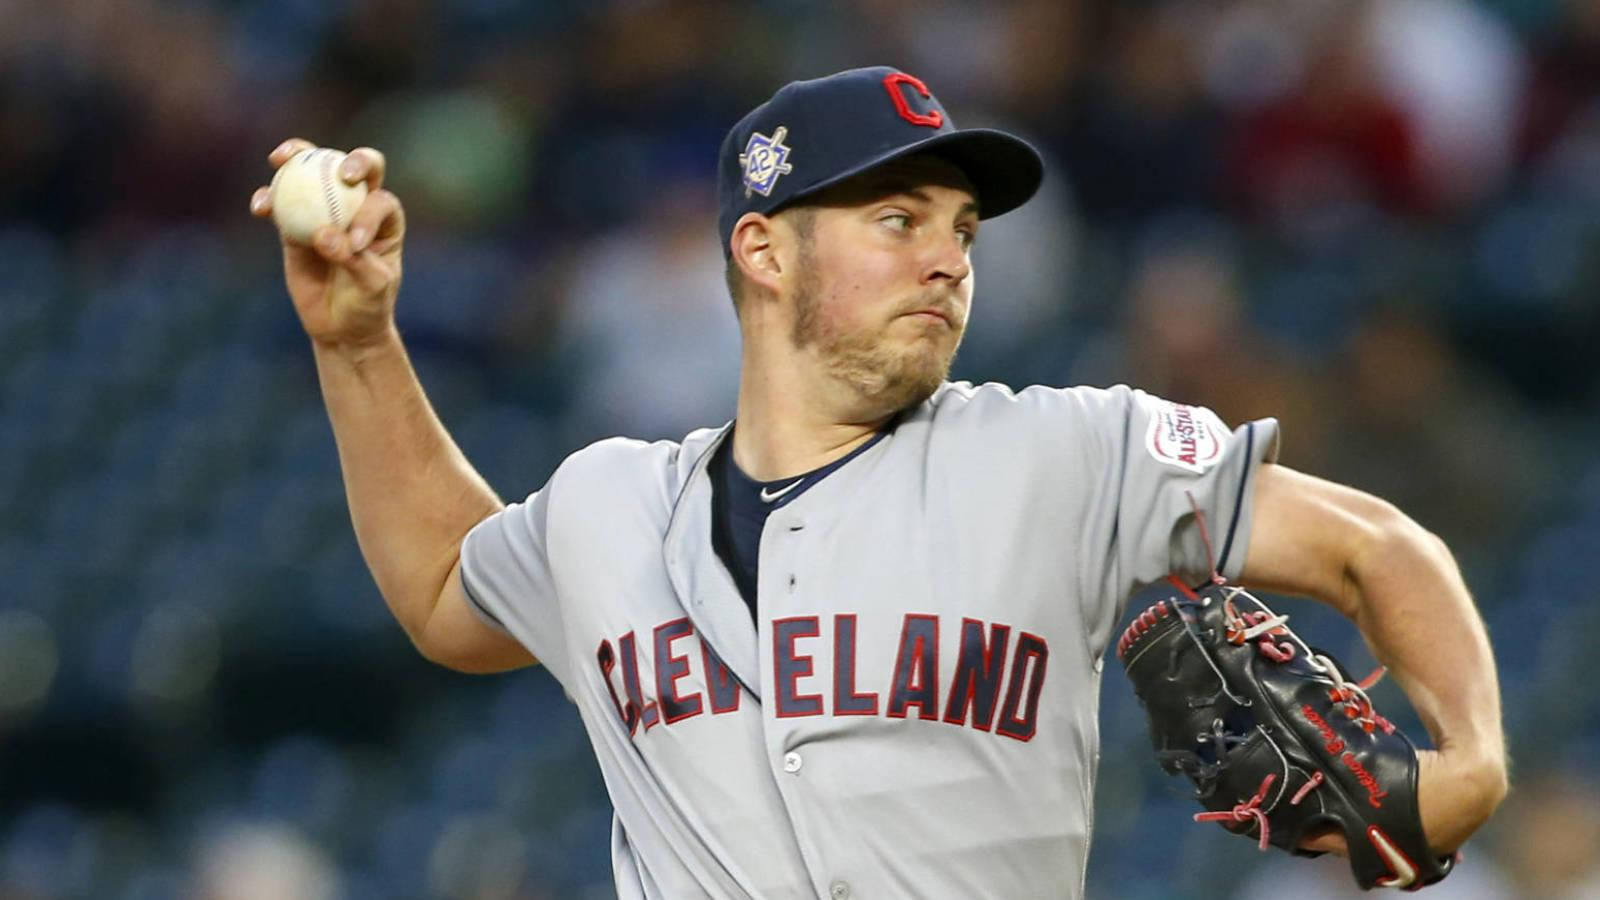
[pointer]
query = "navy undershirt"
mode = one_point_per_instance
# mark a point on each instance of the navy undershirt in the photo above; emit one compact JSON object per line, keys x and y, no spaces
{"x":738,"y":511}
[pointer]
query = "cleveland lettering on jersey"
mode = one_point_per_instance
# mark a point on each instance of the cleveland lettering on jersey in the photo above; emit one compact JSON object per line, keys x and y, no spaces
{"x":981,"y":681}
{"x":790,"y":666}
{"x":669,"y":669}
{"x":976,"y":686}
{"x":916,"y":668}
{"x":847,"y":701}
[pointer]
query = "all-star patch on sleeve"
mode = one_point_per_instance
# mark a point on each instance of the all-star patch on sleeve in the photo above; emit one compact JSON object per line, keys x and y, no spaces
{"x":1150,"y":465}
{"x":1177,"y":460}
{"x":1189,"y":437}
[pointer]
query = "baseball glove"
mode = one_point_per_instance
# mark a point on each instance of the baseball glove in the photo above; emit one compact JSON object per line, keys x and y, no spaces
{"x":1278,"y":742}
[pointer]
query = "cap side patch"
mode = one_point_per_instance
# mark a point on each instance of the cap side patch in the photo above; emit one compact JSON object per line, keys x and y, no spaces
{"x":764,"y":159}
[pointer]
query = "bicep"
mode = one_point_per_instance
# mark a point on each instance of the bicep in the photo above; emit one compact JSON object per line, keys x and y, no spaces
{"x":1307,"y":534}
{"x":457,"y":637}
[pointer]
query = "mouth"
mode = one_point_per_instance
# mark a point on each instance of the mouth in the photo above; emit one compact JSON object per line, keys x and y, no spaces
{"x":931,"y":315}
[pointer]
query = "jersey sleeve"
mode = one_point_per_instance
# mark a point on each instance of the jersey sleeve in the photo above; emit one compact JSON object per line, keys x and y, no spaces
{"x":505,"y":570}
{"x":1160,"y":463}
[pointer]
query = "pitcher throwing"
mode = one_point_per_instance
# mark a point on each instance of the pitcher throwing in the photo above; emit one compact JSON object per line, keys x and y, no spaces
{"x":850,"y":643}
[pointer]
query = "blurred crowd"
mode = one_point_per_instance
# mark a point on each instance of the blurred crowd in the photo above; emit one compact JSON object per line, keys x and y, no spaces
{"x":1376,"y":221}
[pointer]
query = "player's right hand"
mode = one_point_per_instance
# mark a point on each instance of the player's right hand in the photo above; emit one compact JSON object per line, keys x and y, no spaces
{"x":344,"y":285}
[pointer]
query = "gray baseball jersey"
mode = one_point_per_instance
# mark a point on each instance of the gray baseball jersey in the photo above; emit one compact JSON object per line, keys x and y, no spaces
{"x":914,"y":713}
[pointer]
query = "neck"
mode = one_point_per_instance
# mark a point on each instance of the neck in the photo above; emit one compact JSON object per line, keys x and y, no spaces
{"x":787,"y":427}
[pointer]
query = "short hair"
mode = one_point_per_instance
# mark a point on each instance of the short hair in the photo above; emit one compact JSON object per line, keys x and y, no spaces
{"x":734,"y":276}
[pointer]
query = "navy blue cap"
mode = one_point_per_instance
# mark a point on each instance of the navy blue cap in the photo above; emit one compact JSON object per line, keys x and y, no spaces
{"x":813,"y":134}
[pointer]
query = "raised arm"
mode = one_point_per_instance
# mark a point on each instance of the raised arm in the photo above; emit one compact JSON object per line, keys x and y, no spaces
{"x":413,"y":496}
{"x":1402,"y":588}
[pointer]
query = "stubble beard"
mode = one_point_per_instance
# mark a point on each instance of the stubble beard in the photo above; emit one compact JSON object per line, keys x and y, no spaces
{"x":885,"y":377}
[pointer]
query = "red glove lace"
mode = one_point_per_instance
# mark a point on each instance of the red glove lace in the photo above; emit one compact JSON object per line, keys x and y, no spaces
{"x":1261,"y":627}
{"x":1245,"y":811}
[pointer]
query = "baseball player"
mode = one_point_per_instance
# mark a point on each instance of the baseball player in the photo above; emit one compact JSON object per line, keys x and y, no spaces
{"x":850,"y":643}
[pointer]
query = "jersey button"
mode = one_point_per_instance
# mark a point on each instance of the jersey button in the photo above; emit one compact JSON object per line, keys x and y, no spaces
{"x":839,"y":891}
{"x":791,"y":762}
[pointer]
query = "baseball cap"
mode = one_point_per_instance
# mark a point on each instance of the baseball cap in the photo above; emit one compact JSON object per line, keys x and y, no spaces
{"x":817,"y":133}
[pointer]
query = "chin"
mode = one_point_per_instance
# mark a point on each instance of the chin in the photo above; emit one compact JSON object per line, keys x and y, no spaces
{"x":908,"y":393}
{"x":891,"y":382}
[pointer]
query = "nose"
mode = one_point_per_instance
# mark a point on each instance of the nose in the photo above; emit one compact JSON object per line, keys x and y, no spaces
{"x":947,"y":262}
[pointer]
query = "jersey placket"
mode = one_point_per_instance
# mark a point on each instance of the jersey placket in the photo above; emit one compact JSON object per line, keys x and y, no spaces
{"x":783,"y":604}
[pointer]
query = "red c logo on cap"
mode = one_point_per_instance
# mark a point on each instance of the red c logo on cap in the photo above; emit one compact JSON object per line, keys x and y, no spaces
{"x":892,"y":82}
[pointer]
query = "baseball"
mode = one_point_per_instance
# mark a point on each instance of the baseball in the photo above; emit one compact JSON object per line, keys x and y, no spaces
{"x":307,"y":193}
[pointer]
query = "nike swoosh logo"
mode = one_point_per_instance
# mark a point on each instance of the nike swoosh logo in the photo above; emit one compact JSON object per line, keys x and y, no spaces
{"x":769,"y":497}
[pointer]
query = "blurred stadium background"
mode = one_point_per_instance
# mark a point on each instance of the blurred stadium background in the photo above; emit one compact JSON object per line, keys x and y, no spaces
{"x":1379,"y":222}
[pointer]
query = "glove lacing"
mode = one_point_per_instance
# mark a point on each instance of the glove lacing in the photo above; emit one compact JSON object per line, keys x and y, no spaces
{"x":1262,"y":626}
{"x":1245,"y":811}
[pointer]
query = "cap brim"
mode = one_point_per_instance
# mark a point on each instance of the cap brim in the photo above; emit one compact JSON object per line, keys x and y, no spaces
{"x":1005,"y":169}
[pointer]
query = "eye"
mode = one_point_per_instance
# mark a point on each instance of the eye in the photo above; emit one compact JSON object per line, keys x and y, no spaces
{"x":896,"y":222}
{"x":969,"y":236}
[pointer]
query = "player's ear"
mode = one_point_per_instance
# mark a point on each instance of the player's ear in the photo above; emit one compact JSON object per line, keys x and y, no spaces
{"x":754,"y":246}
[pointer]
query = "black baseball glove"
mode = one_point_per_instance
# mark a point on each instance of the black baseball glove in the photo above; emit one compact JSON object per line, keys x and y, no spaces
{"x":1278,"y":742}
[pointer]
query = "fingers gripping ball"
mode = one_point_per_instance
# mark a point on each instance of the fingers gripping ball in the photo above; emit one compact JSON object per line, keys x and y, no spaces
{"x":1276,"y":739}
{"x":308,"y":193}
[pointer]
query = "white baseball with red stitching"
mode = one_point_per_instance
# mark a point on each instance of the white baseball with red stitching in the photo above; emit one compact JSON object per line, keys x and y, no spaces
{"x":307,"y":193}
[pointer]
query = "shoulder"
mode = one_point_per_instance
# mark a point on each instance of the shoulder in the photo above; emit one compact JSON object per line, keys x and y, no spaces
{"x":1028,"y":430}
{"x":621,"y":465}
{"x":993,"y":405}
{"x":618,"y":455}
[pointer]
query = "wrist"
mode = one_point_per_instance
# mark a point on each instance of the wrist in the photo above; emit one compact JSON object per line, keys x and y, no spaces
{"x":1479,"y":772}
{"x":358,"y":352}
{"x":1479,"y":747}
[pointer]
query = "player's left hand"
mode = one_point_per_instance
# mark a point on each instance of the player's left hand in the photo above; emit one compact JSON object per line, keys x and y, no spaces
{"x":1456,"y":791}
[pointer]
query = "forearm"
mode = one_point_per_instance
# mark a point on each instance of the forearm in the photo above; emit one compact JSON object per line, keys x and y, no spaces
{"x":1407,"y":597}
{"x":413,"y":495}
{"x":1403,"y":590}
